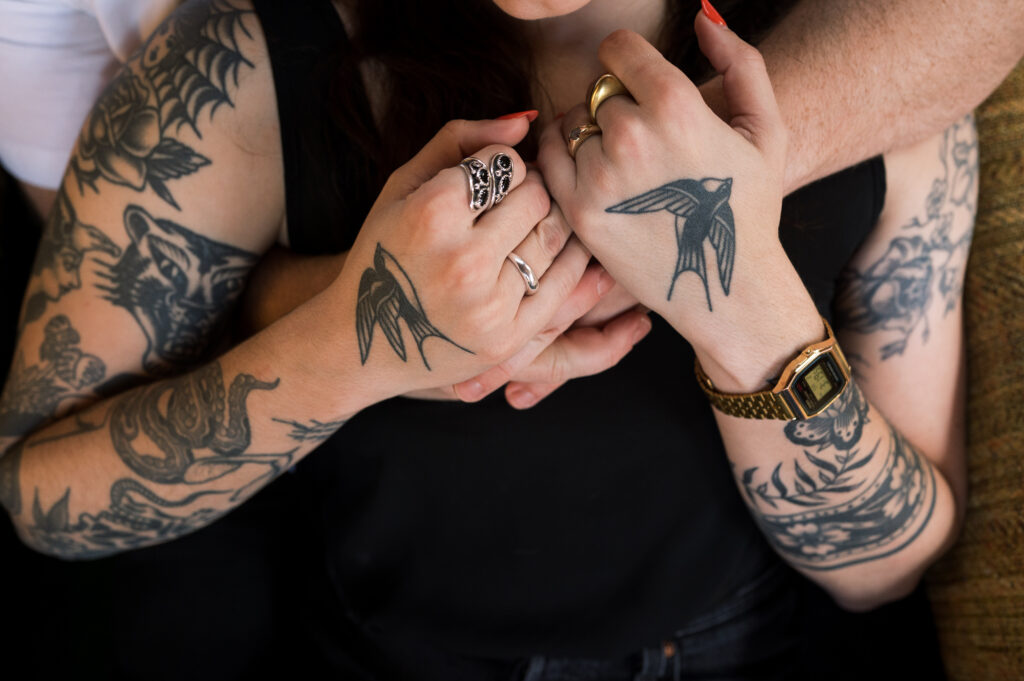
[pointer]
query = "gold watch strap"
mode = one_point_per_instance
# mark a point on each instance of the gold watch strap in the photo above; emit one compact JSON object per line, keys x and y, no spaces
{"x":760,"y":405}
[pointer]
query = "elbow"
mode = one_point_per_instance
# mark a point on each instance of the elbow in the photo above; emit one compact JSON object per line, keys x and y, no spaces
{"x":57,"y":545}
{"x":871,"y":597}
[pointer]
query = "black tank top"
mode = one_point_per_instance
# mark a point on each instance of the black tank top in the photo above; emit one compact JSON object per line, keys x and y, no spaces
{"x":591,"y":525}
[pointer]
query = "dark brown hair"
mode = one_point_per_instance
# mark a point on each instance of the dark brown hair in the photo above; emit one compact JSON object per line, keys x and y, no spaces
{"x":447,"y":59}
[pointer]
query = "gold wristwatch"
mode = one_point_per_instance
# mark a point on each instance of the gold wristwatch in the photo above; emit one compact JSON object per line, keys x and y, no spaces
{"x":808,"y":385}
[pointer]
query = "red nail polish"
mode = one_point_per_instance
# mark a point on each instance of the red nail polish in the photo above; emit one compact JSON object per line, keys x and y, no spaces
{"x":711,"y":13}
{"x":530,"y":115}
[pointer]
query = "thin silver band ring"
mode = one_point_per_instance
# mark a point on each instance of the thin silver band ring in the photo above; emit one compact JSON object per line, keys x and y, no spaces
{"x":527,"y":273}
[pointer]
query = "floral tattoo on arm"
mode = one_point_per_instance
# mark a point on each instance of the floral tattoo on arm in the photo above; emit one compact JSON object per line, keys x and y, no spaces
{"x":895,"y":293}
{"x":188,"y":66}
{"x":825,"y":512}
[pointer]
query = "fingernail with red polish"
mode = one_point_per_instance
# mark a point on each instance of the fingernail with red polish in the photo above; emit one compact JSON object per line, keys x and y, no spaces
{"x":530,"y":115}
{"x":712,"y":13}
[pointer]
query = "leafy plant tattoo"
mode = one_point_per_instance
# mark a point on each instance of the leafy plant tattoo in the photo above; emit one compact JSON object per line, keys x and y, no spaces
{"x":187,"y":66}
{"x":387,"y":295}
{"x":136,"y":517}
{"x":35,"y":392}
{"x":839,"y":516}
{"x":314,"y":431}
{"x":701,"y":209}
{"x":59,"y":257}
{"x":895,"y":292}
{"x":177,"y":284}
{"x":839,"y":427}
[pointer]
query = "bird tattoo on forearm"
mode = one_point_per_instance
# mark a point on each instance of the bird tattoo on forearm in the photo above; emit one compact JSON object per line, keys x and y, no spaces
{"x":701,"y":209}
{"x":386,"y":294}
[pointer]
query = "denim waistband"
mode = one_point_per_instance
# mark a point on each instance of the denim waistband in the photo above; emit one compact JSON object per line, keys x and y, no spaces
{"x":751,"y":636}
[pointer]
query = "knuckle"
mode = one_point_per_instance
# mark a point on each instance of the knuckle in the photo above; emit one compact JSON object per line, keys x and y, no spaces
{"x":454,"y":130}
{"x":563,"y":286}
{"x":437,"y":206}
{"x":616,"y":39}
{"x":627,"y":136}
{"x":499,"y":348}
{"x":536,"y":200}
{"x":750,"y":57}
{"x":549,"y":335}
{"x":550,"y":234}
{"x":463,"y":271}
{"x":559,"y":370}
{"x":579,"y":215}
{"x":672,"y":99}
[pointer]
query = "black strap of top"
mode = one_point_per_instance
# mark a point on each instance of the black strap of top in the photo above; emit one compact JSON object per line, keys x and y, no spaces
{"x":326,"y":184}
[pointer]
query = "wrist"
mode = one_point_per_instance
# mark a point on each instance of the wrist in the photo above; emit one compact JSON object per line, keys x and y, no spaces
{"x":317,"y":344}
{"x":757,"y":347}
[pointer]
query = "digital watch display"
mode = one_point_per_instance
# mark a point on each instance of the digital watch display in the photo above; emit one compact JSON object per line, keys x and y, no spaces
{"x":814,"y":388}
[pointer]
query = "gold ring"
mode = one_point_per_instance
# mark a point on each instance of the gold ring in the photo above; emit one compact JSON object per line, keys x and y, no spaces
{"x":581,"y":134}
{"x":604,"y":87}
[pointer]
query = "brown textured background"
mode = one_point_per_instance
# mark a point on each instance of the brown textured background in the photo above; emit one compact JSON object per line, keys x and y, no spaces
{"x":977,"y":590}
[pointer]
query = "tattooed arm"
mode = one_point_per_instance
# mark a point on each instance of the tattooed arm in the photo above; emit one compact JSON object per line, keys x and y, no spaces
{"x":864,"y":497}
{"x":174,"y":189}
{"x":149,"y":243}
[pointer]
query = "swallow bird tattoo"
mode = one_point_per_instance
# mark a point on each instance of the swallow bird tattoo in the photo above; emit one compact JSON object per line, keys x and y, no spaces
{"x":386,"y":294}
{"x":702,"y":212}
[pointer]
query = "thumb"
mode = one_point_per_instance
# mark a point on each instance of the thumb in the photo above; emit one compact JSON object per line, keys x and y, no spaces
{"x":749,"y":98}
{"x":456,"y":140}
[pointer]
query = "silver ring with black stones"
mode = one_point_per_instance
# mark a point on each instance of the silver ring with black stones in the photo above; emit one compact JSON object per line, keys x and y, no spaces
{"x":481,"y":187}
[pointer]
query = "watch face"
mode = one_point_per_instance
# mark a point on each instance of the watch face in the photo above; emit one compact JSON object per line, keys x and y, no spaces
{"x":817,"y":385}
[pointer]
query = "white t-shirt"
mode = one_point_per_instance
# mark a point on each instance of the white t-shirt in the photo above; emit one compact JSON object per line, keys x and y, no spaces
{"x":55,"y":58}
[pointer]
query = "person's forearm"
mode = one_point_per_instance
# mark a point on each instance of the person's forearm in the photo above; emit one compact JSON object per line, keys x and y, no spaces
{"x":170,"y":457}
{"x":855,"y":79}
{"x":844,"y":498}
{"x":282,"y":282}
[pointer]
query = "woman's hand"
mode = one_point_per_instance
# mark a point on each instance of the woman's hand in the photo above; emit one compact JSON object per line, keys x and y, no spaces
{"x":435,"y":299}
{"x":678,"y":205}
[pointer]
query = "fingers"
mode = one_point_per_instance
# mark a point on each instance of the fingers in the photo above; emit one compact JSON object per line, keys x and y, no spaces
{"x":749,"y":97}
{"x":643,"y":70}
{"x":560,"y":281}
{"x":454,"y":142}
{"x":579,"y":352}
{"x":510,"y":222}
{"x":539,"y":249}
{"x":555,"y":164}
{"x":446,"y":197}
{"x":594,"y":284}
{"x":580,"y":115}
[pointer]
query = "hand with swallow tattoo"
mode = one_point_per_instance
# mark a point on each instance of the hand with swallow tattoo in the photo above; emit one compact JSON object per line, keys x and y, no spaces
{"x":680,"y":206}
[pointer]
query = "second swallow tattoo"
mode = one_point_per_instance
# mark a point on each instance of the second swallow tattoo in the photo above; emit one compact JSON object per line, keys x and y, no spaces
{"x":701,"y":209}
